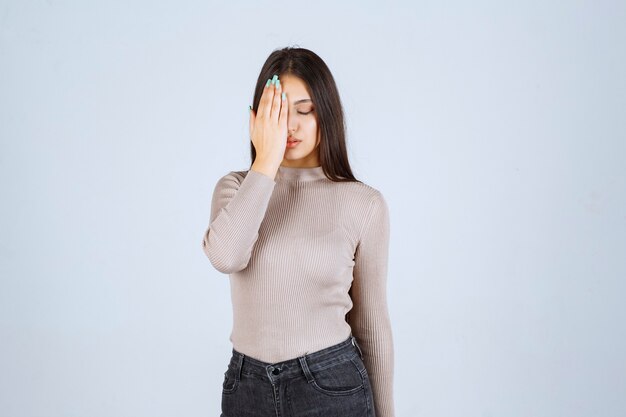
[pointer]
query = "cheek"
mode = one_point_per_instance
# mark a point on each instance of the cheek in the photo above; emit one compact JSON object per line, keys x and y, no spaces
{"x":311,"y":127}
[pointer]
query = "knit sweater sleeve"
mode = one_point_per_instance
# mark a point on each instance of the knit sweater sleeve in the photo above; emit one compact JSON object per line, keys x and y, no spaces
{"x":369,"y":316}
{"x":237,"y":210}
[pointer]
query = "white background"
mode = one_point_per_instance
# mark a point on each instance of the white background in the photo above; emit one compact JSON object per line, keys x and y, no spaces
{"x":495,"y":130}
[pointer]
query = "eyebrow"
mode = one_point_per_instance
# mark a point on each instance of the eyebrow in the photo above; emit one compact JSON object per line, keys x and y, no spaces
{"x":302,"y":101}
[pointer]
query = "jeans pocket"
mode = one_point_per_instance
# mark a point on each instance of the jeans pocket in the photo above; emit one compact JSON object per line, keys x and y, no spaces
{"x":341,"y":378}
{"x":231,"y":380}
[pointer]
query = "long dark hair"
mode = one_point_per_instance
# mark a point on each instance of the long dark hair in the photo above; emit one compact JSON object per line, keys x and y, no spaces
{"x":314,"y":72}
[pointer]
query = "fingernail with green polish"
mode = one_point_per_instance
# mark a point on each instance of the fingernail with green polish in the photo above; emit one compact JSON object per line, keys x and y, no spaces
{"x":284,"y":96}
{"x":274,"y":78}
{"x":277,"y":83}
{"x":267,"y":84}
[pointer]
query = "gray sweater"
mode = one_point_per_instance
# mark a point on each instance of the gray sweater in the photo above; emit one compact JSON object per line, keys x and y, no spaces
{"x":307,"y":259}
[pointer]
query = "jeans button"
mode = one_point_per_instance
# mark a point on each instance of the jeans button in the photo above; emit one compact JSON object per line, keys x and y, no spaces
{"x":276,"y":371}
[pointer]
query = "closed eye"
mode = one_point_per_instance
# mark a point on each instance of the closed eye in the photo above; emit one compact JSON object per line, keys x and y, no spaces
{"x":305,"y":113}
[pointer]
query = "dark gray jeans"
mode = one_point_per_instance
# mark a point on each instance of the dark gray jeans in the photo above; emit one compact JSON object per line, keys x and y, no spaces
{"x":331,"y":382}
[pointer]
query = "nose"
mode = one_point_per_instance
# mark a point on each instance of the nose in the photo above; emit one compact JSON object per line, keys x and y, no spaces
{"x":291,"y":126}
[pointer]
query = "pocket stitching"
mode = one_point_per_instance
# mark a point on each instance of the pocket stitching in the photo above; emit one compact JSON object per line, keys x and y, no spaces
{"x":362,"y":371}
{"x":343,"y":392}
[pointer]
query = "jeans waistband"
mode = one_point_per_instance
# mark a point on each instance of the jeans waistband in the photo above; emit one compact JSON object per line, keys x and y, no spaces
{"x":290,"y":368}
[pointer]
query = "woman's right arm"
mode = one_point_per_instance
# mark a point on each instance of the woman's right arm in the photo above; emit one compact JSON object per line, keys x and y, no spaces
{"x":237,"y":210}
{"x":238,"y":205}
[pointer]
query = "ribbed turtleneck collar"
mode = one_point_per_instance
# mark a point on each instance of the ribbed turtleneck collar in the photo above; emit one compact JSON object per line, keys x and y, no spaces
{"x":300,"y":174}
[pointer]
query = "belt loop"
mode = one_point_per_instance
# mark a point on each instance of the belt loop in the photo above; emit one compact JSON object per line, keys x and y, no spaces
{"x":239,"y":365}
{"x":305,"y":368}
{"x":354,"y":342}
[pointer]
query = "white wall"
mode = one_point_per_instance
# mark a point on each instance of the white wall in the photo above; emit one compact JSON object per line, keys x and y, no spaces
{"x":496,"y":132}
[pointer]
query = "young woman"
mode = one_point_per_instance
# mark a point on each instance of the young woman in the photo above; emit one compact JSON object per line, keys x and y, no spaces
{"x":306,"y":248}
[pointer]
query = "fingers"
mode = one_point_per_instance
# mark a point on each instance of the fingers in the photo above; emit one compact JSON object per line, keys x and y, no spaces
{"x":276,"y":100}
{"x":284,"y":111}
{"x":270,"y":104}
{"x":266,"y":100}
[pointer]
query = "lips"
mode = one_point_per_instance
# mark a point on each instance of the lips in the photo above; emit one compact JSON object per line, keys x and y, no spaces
{"x":293,"y":140}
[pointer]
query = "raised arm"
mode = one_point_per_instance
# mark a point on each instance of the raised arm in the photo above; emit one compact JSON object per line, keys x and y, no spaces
{"x":237,"y":210}
{"x":369,"y":316}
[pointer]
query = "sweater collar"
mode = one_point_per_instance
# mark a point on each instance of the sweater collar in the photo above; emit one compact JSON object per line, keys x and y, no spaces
{"x":300,"y":174}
